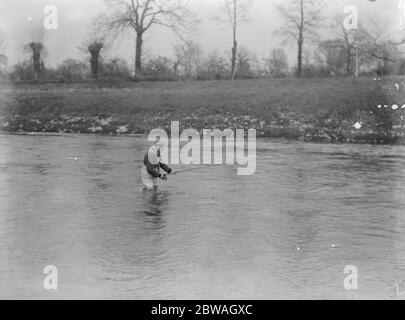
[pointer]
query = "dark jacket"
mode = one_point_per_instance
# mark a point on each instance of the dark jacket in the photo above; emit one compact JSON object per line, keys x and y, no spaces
{"x":154,"y":170}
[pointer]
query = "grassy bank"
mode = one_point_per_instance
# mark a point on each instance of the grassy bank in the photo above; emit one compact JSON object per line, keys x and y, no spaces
{"x":317,"y":110}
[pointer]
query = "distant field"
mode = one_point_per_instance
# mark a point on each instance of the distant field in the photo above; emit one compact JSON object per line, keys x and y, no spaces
{"x":307,"y":109}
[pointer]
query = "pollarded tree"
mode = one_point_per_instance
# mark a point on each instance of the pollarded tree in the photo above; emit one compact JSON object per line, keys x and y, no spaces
{"x":94,"y":49}
{"x":333,"y":55}
{"x":301,"y":22}
{"x":95,"y":42}
{"x":94,"y":46}
{"x":350,"y":42}
{"x":139,"y":16}
{"x":36,"y":47}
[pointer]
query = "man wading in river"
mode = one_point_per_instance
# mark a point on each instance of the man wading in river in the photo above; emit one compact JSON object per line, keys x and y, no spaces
{"x":152,"y":163}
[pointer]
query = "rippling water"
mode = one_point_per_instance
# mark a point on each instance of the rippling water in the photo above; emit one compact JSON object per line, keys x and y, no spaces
{"x":287,"y":232}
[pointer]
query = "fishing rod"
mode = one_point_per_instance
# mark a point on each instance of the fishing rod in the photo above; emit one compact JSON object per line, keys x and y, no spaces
{"x":187,"y":170}
{"x":191,"y":169}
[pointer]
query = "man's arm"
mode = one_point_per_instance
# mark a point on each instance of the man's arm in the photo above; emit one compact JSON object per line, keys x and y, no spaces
{"x":166,"y":168}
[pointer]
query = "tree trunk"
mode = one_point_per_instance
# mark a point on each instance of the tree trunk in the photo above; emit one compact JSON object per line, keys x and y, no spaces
{"x":300,"y":51}
{"x":36,"y":58}
{"x":95,"y":49}
{"x":37,"y":64}
{"x":235,"y":43}
{"x":349,"y":62}
{"x":300,"y":41}
{"x":138,"y":54}
{"x":234,"y":53}
{"x":94,"y":64}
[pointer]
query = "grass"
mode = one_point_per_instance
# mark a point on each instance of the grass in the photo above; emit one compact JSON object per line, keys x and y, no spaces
{"x":306,"y":109}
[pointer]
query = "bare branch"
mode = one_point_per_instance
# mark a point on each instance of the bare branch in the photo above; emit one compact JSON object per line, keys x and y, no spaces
{"x":139,"y":16}
{"x":302,"y":20}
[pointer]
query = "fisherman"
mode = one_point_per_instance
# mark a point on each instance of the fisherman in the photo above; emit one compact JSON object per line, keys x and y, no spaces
{"x":152,"y":163}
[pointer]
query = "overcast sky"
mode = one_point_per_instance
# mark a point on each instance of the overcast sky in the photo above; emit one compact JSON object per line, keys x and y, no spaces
{"x":16,"y":16}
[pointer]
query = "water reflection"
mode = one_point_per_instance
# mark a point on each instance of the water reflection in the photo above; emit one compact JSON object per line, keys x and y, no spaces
{"x":155,"y":203}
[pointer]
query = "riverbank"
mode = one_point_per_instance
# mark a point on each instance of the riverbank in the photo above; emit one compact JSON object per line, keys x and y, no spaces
{"x":313,"y":110}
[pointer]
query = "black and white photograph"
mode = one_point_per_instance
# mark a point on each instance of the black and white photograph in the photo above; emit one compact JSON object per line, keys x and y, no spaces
{"x":202,"y":150}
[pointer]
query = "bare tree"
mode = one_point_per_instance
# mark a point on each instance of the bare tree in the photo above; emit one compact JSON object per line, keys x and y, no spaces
{"x":352,"y":42}
{"x":37,"y":48}
{"x":94,"y":49}
{"x":301,"y":23}
{"x":139,"y":16}
{"x":345,"y":41}
{"x":96,"y":41}
{"x":378,"y":46}
{"x":234,"y":12}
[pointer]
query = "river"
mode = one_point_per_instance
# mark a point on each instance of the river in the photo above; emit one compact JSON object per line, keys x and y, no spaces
{"x":287,"y":232}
